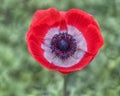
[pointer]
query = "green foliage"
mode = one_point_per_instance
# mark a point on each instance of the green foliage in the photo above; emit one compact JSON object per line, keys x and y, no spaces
{"x":20,"y":75}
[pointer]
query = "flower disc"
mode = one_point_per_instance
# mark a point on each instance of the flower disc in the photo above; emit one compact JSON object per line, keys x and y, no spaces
{"x":63,"y":45}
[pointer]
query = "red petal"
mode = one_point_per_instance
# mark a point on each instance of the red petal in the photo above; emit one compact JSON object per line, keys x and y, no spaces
{"x":84,"y":21}
{"x":94,"y":39}
{"x":49,"y":17}
{"x":37,"y":53}
{"x":79,"y":19}
{"x":63,"y":25}
{"x":63,"y":72}
{"x":38,"y":31}
{"x":82,"y":64}
{"x":32,"y":37}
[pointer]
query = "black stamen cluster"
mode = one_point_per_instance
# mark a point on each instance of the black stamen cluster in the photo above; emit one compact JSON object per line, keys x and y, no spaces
{"x":63,"y":45}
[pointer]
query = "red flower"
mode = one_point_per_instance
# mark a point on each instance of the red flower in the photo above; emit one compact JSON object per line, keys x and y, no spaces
{"x":64,"y":41}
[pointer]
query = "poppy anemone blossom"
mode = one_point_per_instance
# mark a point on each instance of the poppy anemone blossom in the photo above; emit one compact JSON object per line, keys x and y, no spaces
{"x":64,"y":41}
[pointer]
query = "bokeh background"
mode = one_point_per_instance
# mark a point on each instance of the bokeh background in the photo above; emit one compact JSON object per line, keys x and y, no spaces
{"x":21,"y":75}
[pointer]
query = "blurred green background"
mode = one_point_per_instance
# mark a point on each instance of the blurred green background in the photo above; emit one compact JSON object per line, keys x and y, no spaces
{"x":21,"y":75}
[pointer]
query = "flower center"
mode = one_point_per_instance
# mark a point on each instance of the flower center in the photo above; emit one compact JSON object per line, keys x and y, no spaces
{"x":63,"y":45}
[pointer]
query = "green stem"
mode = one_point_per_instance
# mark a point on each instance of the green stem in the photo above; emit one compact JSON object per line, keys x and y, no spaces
{"x":65,"y":93}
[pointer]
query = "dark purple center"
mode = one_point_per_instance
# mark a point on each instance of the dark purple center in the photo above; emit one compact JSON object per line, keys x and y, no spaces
{"x":63,"y":45}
